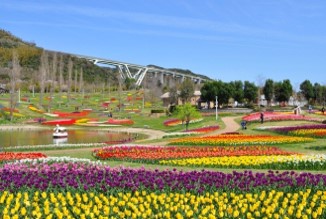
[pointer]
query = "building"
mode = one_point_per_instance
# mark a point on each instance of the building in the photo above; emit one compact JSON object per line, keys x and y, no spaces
{"x":193,"y":100}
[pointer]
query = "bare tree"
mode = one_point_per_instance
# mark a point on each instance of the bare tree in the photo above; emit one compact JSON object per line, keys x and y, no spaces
{"x":70,"y":67}
{"x":61,"y":80}
{"x":53,"y":75}
{"x":43,"y":70}
{"x":76,"y":76}
{"x":81,"y":82}
{"x":14,"y":77}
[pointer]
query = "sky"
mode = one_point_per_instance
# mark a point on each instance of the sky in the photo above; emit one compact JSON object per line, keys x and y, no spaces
{"x":228,"y":40}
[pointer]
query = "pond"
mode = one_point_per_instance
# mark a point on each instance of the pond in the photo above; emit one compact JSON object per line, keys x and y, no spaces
{"x":43,"y":137}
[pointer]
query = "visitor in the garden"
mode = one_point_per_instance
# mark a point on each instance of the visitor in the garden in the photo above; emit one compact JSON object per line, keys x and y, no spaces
{"x":261,"y":117}
{"x":310,"y":108}
{"x":244,"y":124}
{"x":323,"y":110}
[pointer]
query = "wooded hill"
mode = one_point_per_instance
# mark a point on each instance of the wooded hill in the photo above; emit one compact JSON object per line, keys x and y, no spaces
{"x":29,"y":55}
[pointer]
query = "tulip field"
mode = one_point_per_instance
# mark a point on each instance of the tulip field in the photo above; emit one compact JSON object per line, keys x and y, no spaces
{"x":72,"y":188}
{"x":242,"y":174}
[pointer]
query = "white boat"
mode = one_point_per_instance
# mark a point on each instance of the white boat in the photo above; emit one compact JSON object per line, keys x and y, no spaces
{"x":60,"y":132}
{"x":60,"y":141}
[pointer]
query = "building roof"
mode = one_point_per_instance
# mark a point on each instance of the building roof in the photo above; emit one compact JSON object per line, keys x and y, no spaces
{"x":167,"y":94}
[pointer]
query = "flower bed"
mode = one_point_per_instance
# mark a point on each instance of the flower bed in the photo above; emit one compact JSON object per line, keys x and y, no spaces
{"x":33,"y":108}
{"x":63,"y":189}
{"x":286,"y":129}
{"x":204,"y":129}
{"x":73,"y":114}
{"x":311,"y":130}
{"x":6,"y":109}
{"x":314,"y":133}
{"x":14,"y":114}
{"x":120,"y":121}
{"x":60,"y":122}
{"x":239,"y":140}
{"x":278,"y":162}
{"x":174,"y":121}
{"x":155,"y":153}
{"x":277,"y":116}
{"x":9,"y":156}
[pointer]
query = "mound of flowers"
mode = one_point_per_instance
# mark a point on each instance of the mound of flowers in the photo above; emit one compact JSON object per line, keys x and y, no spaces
{"x":9,"y":156}
{"x":81,"y":189}
{"x":174,"y":121}
{"x":277,"y":116}
{"x":72,"y":114}
{"x":33,"y":108}
{"x":155,"y":153}
{"x":234,"y":139}
{"x":205,"y":129}
{"x":14,"y":114}
{"x":6,"y":109}
{"x":60,"y":122}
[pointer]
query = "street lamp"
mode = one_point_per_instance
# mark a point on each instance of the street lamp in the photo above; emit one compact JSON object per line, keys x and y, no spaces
{"x":216,"y":107}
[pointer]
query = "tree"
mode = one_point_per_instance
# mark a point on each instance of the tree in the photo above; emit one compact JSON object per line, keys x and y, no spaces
{"x":14,"y":77}
{"x":186,"y":113}
{"x":81,"y":81}
{"x":75,"y":79}
{"x":173,"y":95}
{"x":129,"y":83}
{"x":250,"y":91}
{"x":225,"y":92}
{"x":283,"y":90}
{"x":70,"y":67}
{"x":187,"y":90}
{"x":53,"y":76}
{"x":237,"y":87}
{"x":268,"y":90}
{"x":44,"y":68}
{"x":307,"y":90}
{"x":61,"y":79}
{"x":208,"y":92}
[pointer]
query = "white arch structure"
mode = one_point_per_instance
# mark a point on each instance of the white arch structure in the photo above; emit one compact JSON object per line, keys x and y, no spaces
{"x":124,"y":69}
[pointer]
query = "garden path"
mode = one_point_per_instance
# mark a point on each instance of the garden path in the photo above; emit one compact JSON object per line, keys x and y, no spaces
{"x":230,"y":126}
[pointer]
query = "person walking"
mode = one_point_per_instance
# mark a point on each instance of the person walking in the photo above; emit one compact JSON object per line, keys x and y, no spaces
{"x":261,"y":117}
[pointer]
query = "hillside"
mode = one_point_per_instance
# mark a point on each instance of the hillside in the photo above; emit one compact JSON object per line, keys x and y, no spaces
{"x":93,"y":75}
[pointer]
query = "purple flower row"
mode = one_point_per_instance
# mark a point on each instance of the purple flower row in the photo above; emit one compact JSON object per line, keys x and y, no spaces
{"x":287,"y":129}
{"x":105,"y":179}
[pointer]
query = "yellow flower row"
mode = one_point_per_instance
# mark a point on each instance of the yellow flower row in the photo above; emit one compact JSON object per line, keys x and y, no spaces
{"x":239,"y":140}
{"x":309,"y":132}
{"x":265,"y":204}
{"x":244,"y":160}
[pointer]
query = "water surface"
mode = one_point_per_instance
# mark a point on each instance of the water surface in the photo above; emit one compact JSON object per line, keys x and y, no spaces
{"x":43,"y":137}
